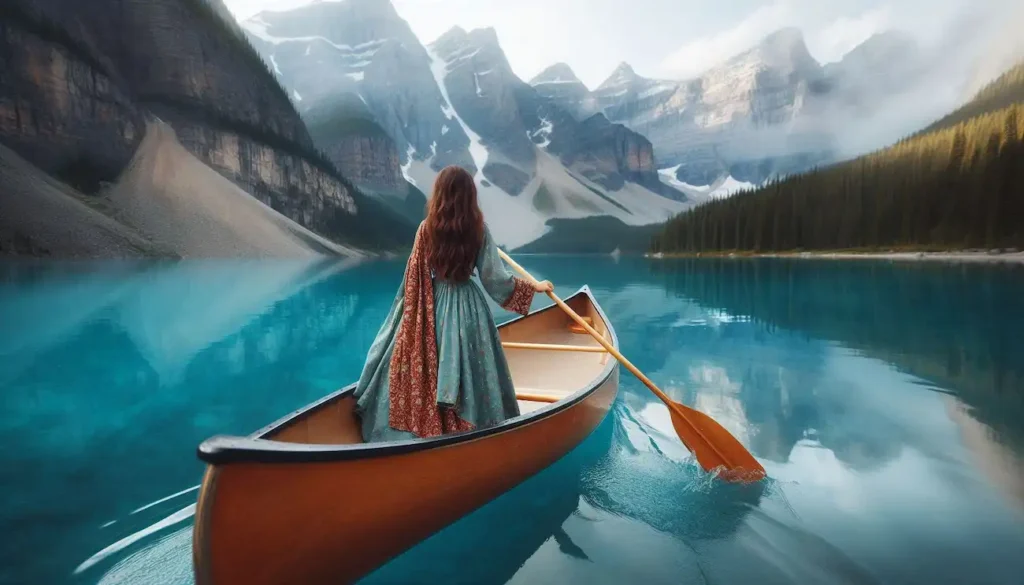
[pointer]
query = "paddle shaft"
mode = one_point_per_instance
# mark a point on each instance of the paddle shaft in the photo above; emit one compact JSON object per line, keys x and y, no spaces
{"x":604,"y":342}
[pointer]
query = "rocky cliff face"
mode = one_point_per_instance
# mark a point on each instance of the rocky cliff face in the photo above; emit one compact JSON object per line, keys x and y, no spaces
{"x":361,"y":149}
{"x":370,"y":160}
{"x":103,"y":65}
{"x":298,"y":188}
{"x":60,"y":108}
{"x":621,"y":154}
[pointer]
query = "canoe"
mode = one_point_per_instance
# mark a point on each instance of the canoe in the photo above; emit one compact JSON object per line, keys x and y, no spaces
{"x":305,"y":500}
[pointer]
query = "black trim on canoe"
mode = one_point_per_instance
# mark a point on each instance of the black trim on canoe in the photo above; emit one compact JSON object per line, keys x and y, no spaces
{"x":222,"y":449}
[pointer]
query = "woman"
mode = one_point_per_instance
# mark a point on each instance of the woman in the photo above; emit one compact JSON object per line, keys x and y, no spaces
{"x":437,"y":366}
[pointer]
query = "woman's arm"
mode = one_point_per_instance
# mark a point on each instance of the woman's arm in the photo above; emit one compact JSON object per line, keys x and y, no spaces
{"x":511,"y":292}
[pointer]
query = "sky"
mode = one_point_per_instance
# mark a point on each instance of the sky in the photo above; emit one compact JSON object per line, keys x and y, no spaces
{"x":669,"y":39}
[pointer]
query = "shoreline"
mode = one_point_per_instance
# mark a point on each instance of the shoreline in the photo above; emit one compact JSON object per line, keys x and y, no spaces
{"x":975,"y":256}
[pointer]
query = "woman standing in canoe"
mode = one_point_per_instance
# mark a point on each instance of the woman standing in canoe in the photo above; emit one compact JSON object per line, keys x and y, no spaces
{"x":437,"y":366}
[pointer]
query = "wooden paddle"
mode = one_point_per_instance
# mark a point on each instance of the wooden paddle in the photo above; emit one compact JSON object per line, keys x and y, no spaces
{"x":713,"y":446}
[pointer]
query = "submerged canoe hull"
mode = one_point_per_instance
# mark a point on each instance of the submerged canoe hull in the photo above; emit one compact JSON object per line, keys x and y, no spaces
{"x":310,"y":516}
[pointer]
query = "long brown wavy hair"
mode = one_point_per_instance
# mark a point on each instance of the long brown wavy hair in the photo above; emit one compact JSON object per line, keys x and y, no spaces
{"x":454,"y":226}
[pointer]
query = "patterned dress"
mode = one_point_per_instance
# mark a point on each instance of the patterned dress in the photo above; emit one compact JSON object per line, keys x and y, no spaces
{"x":437,"y":365}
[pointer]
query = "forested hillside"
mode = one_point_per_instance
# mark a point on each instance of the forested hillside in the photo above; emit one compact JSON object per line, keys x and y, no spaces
{"x":1006,"y":90}
{"x":959,"y":185}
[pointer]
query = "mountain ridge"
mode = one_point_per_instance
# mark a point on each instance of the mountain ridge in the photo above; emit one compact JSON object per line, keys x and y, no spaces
{"x":533,"y":160}
{"x":762,"y":113}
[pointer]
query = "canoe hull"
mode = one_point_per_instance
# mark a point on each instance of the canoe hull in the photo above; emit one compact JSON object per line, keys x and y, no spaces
{"x":331,"y":523}
{"x":304,"y":501}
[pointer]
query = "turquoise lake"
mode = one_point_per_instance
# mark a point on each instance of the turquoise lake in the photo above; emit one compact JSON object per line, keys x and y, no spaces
{"x":885,"y":400}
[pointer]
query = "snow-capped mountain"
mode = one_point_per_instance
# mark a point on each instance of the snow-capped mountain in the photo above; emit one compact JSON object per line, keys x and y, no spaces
{"x":327,"y":52}
{"x":771,"y":110}
{"x":721,"y":188}
{"x":560,"y":83}
{"x":742,"y":118}
{"x":457,"y":101}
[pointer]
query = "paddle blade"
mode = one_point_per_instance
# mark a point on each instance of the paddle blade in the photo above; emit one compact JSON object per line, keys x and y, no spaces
{"x":714,"y":447}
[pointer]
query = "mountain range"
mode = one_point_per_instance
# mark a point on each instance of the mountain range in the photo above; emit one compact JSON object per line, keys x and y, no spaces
{"x":770,"y":111}
{"x":553,"y":149}
{"x":336,"y":118}
{"x":357,"y":67}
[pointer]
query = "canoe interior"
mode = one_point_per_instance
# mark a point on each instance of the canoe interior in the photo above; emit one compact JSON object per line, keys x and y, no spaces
{"x":309,"y":503}
{"x":554,"y":373}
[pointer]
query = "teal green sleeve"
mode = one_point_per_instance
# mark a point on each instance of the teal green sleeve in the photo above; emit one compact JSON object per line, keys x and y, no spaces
{"x":511,"y":292}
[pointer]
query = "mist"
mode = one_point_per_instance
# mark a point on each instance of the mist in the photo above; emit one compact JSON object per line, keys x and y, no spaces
{"x":948,"y":71}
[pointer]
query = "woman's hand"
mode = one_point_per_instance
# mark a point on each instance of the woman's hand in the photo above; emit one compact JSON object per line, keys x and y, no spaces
{"x":543,"y":286}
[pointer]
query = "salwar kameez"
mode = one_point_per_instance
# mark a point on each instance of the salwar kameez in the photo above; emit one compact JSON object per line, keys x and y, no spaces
{"x":451,"y":374}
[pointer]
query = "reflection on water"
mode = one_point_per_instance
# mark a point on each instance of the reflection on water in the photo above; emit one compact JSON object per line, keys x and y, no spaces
{"x":884,"y":400}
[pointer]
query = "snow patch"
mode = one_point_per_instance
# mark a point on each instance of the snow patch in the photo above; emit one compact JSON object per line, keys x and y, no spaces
{"x":729,"y":187}
{"x":476,"y":149}
{"x":296,"y":95}
{"x":543,"y":132}
{"x":453,"y":62}
{"x":258,"y":27}
{"x":661,"y":88}
{"x":357,"y":76}
{"x":444,"y":129}
{"x":273,"y":62}
{"x":670,"y":171}
{"x":559,"y":81}
{"x":476,"y":81}
{"x":308,"y":48}
{"x":720,"y":189}
{"x":446,"y":109}
{"x":408,"y":164}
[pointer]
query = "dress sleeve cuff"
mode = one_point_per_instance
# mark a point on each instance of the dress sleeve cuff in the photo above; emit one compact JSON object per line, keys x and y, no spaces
{"x":521,"y":298}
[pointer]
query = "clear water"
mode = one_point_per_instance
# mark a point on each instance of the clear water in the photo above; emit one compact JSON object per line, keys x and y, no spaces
{"x":885,"y":400}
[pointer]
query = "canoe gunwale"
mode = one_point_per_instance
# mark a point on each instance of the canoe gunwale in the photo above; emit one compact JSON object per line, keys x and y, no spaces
{"x":224,"y":449}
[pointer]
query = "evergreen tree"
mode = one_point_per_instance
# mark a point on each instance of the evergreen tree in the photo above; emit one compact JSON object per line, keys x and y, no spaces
{"x":960,"y":184}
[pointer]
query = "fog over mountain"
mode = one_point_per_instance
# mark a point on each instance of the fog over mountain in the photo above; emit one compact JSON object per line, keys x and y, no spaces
{"x":775,"y":109}
{"x":935,"y":78}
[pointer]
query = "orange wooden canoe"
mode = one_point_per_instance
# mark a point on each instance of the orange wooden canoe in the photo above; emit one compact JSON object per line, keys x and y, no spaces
{"x":305,"y":500}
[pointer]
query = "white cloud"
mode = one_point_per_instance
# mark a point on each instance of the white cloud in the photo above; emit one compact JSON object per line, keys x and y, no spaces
{"x":830,"y":42}
{"x":243,"y":9}
{"x":696,"y":56}
{"x":829,"y":33}
{"x":593,"y":36}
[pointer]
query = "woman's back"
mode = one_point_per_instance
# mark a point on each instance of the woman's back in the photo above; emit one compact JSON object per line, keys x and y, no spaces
{"x":454,"y":226}
{"x":437,"y":365}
